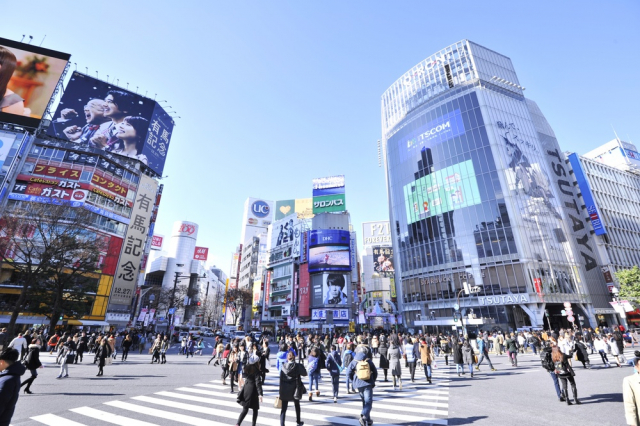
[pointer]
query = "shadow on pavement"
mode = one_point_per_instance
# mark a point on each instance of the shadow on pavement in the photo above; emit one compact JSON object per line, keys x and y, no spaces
{"x":466,"y":421}
{"x":604,"y":397}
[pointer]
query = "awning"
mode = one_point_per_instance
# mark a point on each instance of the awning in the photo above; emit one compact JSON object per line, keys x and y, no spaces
{"x":73,"y":322}
{"x":87,"y":322}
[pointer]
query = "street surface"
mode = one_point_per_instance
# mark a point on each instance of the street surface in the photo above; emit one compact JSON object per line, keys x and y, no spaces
{"x":188,"y":391}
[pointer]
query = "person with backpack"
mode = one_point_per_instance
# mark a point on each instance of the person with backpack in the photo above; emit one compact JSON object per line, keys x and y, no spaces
{"x":565,"y":374}
{"x":334,"y":365}
{"x":582,"y":351}
{"x":364,"y":375}
{"x":53,"y":343}
{"x":483,"y":350}
{"x":445,"y":348}
{"x":291,"y":387}
{"x":547,"y":364}
{"x":313,"y":369}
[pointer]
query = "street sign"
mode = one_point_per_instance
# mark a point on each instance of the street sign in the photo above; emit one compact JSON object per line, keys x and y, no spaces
{"x":172,"y":311}
{"x":610,"y":287}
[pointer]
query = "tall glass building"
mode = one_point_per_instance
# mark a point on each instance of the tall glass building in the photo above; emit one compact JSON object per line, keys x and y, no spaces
{"x":479,"y":198}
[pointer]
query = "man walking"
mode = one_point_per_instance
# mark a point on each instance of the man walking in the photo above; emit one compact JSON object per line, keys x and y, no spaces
{"x":363,"y":374}
{"x":483,"y":349}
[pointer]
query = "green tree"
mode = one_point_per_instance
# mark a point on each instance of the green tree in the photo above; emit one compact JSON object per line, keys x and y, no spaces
{"x":630,"y":284}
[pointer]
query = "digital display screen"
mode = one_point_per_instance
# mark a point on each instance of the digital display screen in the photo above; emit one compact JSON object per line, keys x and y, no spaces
{"x":442,"y":191}
{"x":329,"y":250}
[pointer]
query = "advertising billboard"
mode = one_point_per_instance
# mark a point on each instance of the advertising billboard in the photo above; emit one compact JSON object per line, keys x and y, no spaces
{"x":304,"y":291}
{"x":28,"y":77}
{"x":587,"y":196}
{"x":303,"y":207}
{"x":442,"y":191}
{"x":334,"y":288}
{"x":376,"y":233}
{"x":329,"y":250}
{"x":98,"y":114}
{"x":156,"y":242}
{"x":437,"y":131}
{"x":328,"y":194}
{"x":201,"y":253}
{"x":126,"y":276}
{"x":383,"y":261}
{"x":327,"y":183}
{"x":329,"y":203}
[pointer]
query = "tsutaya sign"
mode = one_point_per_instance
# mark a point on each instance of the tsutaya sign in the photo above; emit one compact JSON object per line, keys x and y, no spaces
{"x":504,"y":299}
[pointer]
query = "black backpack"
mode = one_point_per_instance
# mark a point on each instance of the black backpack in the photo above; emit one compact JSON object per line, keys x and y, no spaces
{"x":561,"y":369}
{"x":547,"y":362}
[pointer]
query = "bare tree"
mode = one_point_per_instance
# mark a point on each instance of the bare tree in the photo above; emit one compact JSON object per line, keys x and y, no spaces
{"x":211,"y":310}
{"x":237,"y":300}
{"x":53,"y":253}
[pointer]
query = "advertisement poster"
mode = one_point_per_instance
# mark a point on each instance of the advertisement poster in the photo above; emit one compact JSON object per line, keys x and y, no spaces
{"x":7,"y":140}
{"x":335,"y":287}
{"x":376,"y":233}
{"x":328,"y":194}
{"x":129,"y":265}
{"x":98,"y":114}
{"x":201,"y":253}
{"x":303,"y":291}
{"x":383,"y":261}
{"x":35,"y":73}
{"x":329,"y":250}
{"x":156,"y":242}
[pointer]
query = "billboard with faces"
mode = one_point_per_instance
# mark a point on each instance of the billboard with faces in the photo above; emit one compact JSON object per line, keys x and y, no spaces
{"x":98,"y":114}
{"x":335,"y":288}
{"x":28,"y":77}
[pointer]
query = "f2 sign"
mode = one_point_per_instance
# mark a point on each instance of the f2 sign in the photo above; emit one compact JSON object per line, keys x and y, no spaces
{"x":201,"y":253}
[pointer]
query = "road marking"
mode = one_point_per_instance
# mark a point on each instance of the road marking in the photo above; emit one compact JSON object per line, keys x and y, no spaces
{"x":53,"y":420}
{"x":110,"y":418}
{"x":161,"y":413}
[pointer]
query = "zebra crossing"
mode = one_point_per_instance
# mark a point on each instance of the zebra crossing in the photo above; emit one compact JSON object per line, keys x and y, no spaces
{"x":212,"y":404}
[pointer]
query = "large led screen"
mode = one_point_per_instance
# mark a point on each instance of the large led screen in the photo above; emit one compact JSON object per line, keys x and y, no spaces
{"x":28,"y":77}
{"x":329,"y":250}
{"x":442,"y":191}
{"x":98,"y":114}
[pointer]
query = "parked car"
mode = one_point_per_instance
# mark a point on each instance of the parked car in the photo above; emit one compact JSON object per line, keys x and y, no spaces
{"x":239,"y":335}
{"x":209,"y":334}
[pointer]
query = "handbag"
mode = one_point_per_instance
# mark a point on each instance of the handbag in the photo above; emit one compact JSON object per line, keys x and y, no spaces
{"x":240,"y":397}
{"x":71,"y":358}
{"x":277,"y":403}
{"x":300,"y":389}
{"x":108,"y":361}
{"x":434,"y":364}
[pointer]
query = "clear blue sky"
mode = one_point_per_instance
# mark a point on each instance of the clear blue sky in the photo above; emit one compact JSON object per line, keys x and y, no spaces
{"x":272,"y":94}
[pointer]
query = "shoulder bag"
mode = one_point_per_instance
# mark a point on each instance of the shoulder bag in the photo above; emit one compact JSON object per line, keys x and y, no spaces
{"x":277,"y":403}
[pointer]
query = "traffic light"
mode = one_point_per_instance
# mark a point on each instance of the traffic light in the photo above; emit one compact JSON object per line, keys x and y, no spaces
{"x":61,"y":317}
{"x":198,"y":303}
{"x":455,"y":317}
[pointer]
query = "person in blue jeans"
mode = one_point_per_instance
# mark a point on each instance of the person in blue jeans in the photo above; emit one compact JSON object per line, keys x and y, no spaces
{"x":347,"y":357}
{"x":483,"y":350}
{"x":364,"y":387}
{"x":334,"y":365}
{"x":314,"y":373}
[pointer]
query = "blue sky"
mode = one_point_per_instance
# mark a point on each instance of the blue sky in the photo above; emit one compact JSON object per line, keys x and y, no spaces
{"x":272,"y":94}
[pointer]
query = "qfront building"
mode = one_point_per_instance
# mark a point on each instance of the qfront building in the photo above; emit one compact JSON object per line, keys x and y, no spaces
{"x":484,"y":215}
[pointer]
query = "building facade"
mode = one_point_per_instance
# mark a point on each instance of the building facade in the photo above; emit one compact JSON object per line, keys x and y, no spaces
{"x":480,"y":202}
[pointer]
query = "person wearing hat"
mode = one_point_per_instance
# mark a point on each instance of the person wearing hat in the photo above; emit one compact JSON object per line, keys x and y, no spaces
{"x":250,"y":396}
{"x":10,"y":372}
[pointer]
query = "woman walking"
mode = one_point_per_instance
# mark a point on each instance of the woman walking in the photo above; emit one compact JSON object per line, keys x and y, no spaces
{"x":467,"y":356}
{"x":445,"y":348}
{"x":565,"y":373}
{"x":582,"y":352}
{"x":251,"y":394}
{"x":126,"y":346}
{"x":395,"y":353}
{"x":32,"y":362}
{"x":383,"y":350}
{"x":164,"y":347}
{"x":615,"y":351}
{"x":155,"y":350}
{"x":291,"y":387}
{"x":512,"y":349}
{"x":313,"y":369}
{"x":224,"y":363}
{"x":410,"y":357}
{"x":68,"y":356}
{"x":334,"y":365}
{"x":233,"y":366}
{"x":426,"y":356}
{"x":458,"y":360}
{"x":347,"y":357}
{"x":375,"y":344}
{"x":601,"y":346}
{"x":102,"y":354}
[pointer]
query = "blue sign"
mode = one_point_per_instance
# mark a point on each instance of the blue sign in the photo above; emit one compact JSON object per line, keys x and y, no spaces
{"x":172,"y":311}
{"x":44,"y":200}
{"x":587,"y":196}
{"x":260,"y":209}
{"x":106,"y":213}
{"x":437,"y":131}
{"x":329,"y":250}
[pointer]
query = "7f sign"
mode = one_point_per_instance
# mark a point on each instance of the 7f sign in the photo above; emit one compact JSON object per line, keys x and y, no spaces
{"x":201,"y":253}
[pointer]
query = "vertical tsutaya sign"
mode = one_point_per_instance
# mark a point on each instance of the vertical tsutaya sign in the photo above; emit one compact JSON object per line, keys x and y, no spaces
{"x":129,"y":265}
{"x":587,"y":196}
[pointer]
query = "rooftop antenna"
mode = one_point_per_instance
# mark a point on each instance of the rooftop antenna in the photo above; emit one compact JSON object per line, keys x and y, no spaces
{"x":154,"y":96}
{"x":45,"y":36}
{"x":145,"y":93}
{"x":23,"y":36}
{"x":97,"y":75}
{"x":127,"y":86}
{"x":76,"y":64}
{"x":136,"y":90}
{"x":30,"y":39}
{"x":87,"y":70}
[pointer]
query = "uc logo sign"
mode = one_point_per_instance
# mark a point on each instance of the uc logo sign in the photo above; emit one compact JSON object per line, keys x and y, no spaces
{"x":260,"y":209}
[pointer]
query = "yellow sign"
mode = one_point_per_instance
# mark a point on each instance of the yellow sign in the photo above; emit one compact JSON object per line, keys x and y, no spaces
{"x":352,"y":327}
{"x":304,"y":208}
{"x":392,"y":285}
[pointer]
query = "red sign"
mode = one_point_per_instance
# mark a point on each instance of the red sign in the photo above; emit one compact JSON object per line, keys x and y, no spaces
{"x":156,"y":241}
{"x":187,"y":229}
{"x":61,"y":172}
{"x":538,"y":284}
{"x":201,"y":253}
{"x":113,"y":253}
{"x":303,"y":291}
{"x":108,"y":184}
{"x":611,"y":287}
{"x":267,"y":290}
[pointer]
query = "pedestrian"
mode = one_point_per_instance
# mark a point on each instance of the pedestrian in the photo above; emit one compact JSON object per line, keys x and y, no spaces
{"x":111,"y":341}
{"x":601,"y":346}
{"x":250,"y":396}
{"x":233,"y":366}
{"x":547,"y":364}
{"x":456,"y":349}
{"x":410,"y":356}
{"x":81,"y":347}
{"x":291,"y":387}
{"x":32,"y":362}
{"x":615,"y":350}
{"x":364,"y":375}
{"x":164,"y":347}
{"x":53,"y":343}
{"x":334,"y":365}
{"x":582,"y":352}
{"x":512,"y":349}
{"x":20,"y":344}
{"x":191,"y":345}
{"x":183,"y":346}
{"x":224,"y":363}
{"x":142,"y":343}
{"x":631,"y":393}
{"x":468,"y":356}
{"x":155,"y":350}
{"x":427,"y":357}
{"x":217,"y":353}
{"x":10,"y":372}
{"x":103,"y":355}
{"x":483,"y":350}
{"x":347,"y":357}
{"x":383,"y":350}
{"x":565,"y":373}
{"x":126,"y":346}
{"x":375,"y":344}
{"x":395,"y":354}
{"x":67,"y":356}
{"x":200,"y":347}
{"x":313,"y":370}
{"x":281,"y":356}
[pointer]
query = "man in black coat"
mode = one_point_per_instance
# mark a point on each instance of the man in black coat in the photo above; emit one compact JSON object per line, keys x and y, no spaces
{"x":10,"y":372}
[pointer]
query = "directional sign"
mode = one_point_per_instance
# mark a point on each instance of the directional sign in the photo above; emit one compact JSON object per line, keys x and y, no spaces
{"x":172,"y":311}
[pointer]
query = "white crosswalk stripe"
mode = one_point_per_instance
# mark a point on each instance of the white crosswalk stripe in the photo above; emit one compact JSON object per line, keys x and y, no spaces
{"x":212,"y":404}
